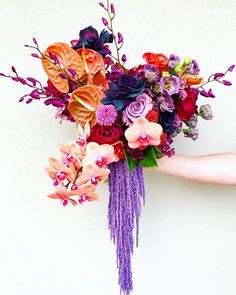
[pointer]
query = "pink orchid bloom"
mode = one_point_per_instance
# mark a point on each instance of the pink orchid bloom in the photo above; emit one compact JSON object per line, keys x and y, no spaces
{"x":101,"y":155}
{"x":92,"y":173}
{"x":59,"y":172}
{"x":61,"y":193}
{"x":71,"y":155}
{"x":83,"y":134}
{"x":86,"y":192}
{"x":143,"y":134}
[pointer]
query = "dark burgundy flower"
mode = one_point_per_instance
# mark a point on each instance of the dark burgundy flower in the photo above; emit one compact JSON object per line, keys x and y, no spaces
{"x":89,"y":38}
{"x":105,"y":134}
{"x":187,"y":107}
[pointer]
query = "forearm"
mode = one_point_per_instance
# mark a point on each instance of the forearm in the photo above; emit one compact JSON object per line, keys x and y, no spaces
{"x":216,"y":168}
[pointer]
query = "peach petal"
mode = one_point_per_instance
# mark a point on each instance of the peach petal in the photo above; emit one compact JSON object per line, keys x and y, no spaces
{"x":68,"y":58}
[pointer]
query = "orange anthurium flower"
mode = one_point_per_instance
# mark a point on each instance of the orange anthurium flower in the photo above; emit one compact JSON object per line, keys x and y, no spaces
{"x":191,"y":80}
{"x":67,"y":58}
{"x":94,"y":66}
{"x":83,"y":104}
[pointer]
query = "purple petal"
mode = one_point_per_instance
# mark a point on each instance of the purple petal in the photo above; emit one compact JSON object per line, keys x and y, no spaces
{"x":231,"y":68}
{"x":53,"y":57}
{"x":32,"y":80}
{"x":63,"y":76}
{"x":13,"y":69}
{"x":112,"y":8}
{"x":101,"y":4}
{"x":35,"y":55}
{"x":124,"y":58}
{"x":227,"y":83}
{"x":210,"y":93}
{"x":22,"y":80}
{"x":218,"y":75}
{"x":35,"y":41}
{"x":204,"y":93}
{"x":120,"y":38}
{"x":29,"y":100}
{"x":21,"y":99}
{"x":105,"y":22}
{"x":73,"y":72}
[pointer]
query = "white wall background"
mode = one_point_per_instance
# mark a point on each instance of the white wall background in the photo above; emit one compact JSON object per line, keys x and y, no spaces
{"x":188,"y":230}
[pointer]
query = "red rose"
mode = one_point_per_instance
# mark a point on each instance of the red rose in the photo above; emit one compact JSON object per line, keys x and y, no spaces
{"x":105,"y":134}
{"x":152,"y":116}
{"x":158,"y":60}
{"x":187,"y":107}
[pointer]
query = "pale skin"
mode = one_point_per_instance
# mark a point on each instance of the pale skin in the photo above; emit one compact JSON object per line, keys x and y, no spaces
{"x":214,"y":168}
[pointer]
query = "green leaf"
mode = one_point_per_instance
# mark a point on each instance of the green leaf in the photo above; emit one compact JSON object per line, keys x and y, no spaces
{"x":130,"y":161}
{"x":149,"y":158}
{"x":158,"y":153}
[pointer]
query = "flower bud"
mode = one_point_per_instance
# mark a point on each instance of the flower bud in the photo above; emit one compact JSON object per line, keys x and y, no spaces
{"x":120,"y":38}
{"x":105,"y":22}
{"x":227,"y":83}
{"x":187,"y":61}
{"x":124,"y":58}
{"x":112,"y":8}
{"x":231,"y":68}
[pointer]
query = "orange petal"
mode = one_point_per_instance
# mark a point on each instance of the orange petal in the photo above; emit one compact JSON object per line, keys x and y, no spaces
{"x":93,"y":60}
{"x":191,"y":80}
{"x":68,"y":58}
{"x":83,"y":104}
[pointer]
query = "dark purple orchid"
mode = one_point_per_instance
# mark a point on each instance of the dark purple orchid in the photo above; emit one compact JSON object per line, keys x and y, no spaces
{"x":89,"y":38}
{"x":124,"y":91}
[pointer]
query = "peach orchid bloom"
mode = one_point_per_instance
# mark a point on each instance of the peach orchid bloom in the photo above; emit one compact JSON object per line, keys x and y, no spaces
{"x":101,"y":155}
{"x":191,"y":80}
{"x":86,"y":192}
{"x":68,"y":59}
{"x":143,"y":134}
{"x":61,"y":193}
{"x":94,"y":66}
{"x":83,"y":134}
{"x":83,"y":104}
{"x":59,"y":172}
{"x":92,"y":173}
{"x":71,"y":155}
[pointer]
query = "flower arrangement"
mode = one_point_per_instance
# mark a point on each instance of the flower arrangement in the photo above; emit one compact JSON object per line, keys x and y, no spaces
{"x":127,"y":118}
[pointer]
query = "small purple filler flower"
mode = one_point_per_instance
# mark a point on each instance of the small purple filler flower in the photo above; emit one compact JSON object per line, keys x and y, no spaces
{"x":170,"y":85}
{"x":193,"y":68}
{"x":106,"y":115}
{"x":174,"y":60}
{"x":151,"y":73}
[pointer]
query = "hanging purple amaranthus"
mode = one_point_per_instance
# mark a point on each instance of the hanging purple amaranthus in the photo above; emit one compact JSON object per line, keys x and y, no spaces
{"x":126,"y":197}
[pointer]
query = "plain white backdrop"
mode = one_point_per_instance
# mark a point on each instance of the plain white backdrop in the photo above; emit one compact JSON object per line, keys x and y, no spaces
{"x":188,"y":230}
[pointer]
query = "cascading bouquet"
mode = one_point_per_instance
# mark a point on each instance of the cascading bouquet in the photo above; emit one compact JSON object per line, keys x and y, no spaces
{"x":126,"y":118}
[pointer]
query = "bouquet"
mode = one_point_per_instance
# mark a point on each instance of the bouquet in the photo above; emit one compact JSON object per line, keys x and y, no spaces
{"x":126,"y":118}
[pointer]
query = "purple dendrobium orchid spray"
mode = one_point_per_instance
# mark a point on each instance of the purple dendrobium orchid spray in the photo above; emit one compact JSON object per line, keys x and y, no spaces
{"x":126,"y":119}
